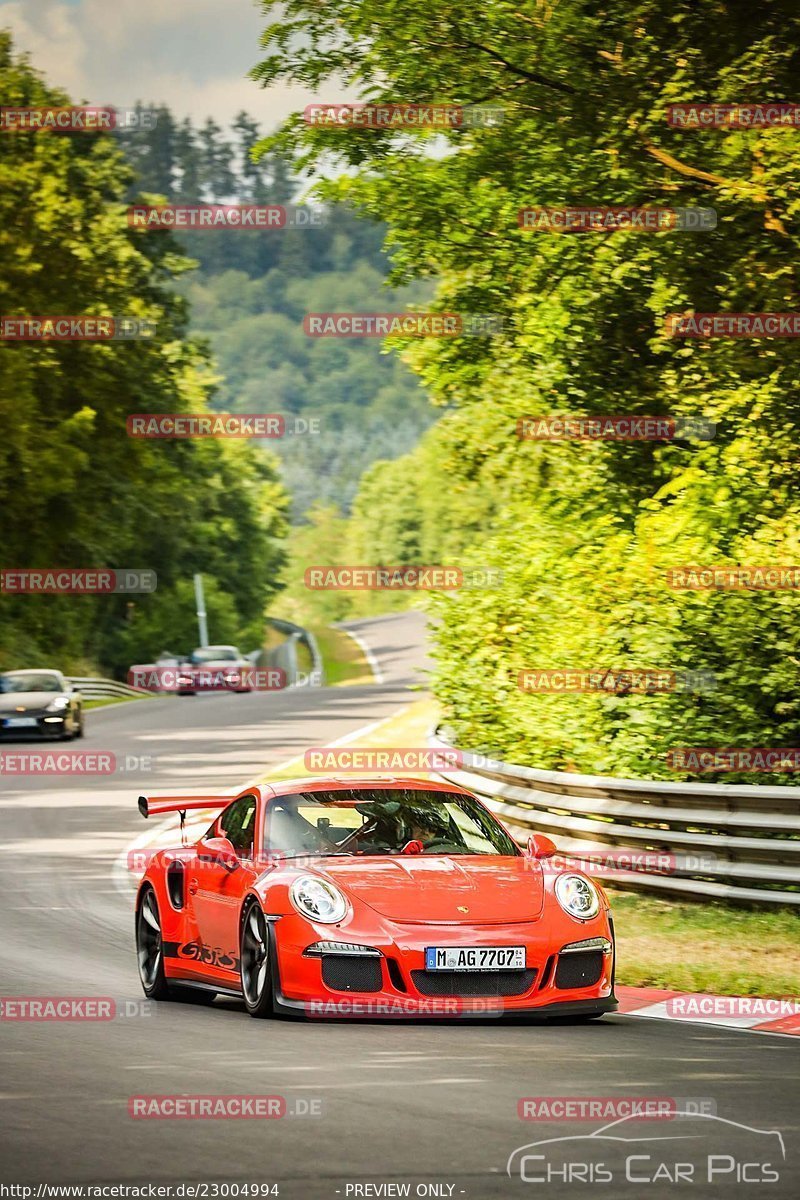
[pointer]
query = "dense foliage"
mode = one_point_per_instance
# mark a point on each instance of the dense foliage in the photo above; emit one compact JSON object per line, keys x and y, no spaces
{"x":584,"y":532}
{"x":75,"y":490}
{"x":251,"y":291}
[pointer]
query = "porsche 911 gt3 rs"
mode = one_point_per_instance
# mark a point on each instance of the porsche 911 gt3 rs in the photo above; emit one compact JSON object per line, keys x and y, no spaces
{"x":385,"y":896}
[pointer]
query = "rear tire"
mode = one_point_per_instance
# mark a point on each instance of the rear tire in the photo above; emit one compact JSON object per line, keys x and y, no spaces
{"x":150,"y":948}
{"x":254,"y":962}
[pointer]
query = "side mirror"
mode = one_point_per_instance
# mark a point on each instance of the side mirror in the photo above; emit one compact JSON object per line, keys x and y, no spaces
{"x":540,"y":846}
{"x":218,"y":850}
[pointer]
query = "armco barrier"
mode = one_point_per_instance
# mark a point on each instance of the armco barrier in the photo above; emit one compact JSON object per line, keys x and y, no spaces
{"x":733,"y":842}
{"x":285,"y":656}
{"x":95,"y":688}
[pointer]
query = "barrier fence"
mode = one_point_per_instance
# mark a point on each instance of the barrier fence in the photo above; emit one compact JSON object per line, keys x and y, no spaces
{"x":732,"y":842}
{"x":95,"y":688}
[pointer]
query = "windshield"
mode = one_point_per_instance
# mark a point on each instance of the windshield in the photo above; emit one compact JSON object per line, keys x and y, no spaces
{"x":30,"y":681}
{"x":215,"y":654}
{"x":372,"y":821}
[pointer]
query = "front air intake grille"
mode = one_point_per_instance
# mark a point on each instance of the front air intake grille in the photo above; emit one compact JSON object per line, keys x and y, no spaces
{"x":582,"y":968}
{"x":349,"y":973}
{"x":473,"y":983}
{"x":396,"y":975}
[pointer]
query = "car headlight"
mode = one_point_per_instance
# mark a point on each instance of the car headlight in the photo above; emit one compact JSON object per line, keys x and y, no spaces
{"x":577,"y":896}
{"x":58,"y":704}
{"x":318,"y":899}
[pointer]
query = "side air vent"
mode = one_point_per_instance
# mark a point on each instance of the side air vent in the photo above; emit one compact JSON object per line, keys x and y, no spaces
{"x":176,"y":885}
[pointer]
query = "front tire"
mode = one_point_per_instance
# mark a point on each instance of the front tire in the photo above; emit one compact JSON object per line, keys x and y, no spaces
{"x":254,"y":962}
{"x":150,"y":948}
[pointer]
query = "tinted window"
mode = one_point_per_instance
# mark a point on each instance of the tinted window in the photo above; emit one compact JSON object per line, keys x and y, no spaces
{"x":215,"y":654}
{"x":30,"y":681}
{"x":382,"y":821}
{"x":238,"y":823}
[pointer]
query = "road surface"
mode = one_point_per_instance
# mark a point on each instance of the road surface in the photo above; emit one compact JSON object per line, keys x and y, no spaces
{"x":375,"y":1104}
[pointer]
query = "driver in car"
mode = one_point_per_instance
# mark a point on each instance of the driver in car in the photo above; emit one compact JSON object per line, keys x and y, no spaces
{"x":393,"y":828}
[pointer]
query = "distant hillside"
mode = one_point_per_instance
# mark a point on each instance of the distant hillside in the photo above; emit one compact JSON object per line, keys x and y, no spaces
{"x":249,"y":295}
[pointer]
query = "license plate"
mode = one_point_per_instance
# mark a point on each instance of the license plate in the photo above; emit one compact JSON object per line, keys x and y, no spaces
{"x":19,"y":722}
{"x":474,"y":958}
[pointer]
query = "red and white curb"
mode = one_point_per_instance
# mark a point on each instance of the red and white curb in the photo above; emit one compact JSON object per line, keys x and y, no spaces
{"x":759,"y":1014}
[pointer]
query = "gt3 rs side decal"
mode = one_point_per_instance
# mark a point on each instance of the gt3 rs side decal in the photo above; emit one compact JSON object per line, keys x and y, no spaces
{"x":210,"y":956}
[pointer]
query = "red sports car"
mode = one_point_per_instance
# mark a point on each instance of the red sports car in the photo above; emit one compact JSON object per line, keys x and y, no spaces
{"x":331,"y":897}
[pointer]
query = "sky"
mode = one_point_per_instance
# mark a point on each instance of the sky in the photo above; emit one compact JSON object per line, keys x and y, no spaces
{"x":193,"y":55}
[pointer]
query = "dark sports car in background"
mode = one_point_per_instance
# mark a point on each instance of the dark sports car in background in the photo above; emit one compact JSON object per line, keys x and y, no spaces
{"x":330,"y":897}
{"x":39,"y":703}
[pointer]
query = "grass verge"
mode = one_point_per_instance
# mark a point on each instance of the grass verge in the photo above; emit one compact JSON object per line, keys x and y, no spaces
{"x":106,"y":700}
{"x":410,"y":727}
{"x":705,"y":947}
{"x":343,"y":658}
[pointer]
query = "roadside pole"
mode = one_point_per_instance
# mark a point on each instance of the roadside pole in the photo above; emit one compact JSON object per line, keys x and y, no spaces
{"x":200,"y":602}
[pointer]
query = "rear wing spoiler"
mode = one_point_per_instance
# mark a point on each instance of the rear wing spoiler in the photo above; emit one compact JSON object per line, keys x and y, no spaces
{"x":181,"y":804}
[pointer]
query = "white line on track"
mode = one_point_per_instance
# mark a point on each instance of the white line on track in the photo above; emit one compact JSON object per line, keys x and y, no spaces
{"x":367,"y":651}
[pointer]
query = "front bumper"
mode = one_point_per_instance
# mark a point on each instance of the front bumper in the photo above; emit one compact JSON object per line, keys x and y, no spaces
{"x":401,"y":987}
{"x":47,"y":725}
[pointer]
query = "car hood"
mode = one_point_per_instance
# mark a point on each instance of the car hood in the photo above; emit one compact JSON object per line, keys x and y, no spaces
{"x":11,"y":701}
{"x":438,"y":889}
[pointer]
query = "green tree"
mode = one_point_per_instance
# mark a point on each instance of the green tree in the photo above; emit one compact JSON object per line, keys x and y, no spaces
{"x":75,"y":489}
{"x":585,"y":532}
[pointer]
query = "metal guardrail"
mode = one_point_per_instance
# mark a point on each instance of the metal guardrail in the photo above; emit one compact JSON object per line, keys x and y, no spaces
{"x":286,"y":655}
{"x":95,"y":688}
{"x":716,"y":841}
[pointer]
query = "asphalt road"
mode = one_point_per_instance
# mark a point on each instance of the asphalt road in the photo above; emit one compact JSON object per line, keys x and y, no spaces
{"x":370,"y":1103}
